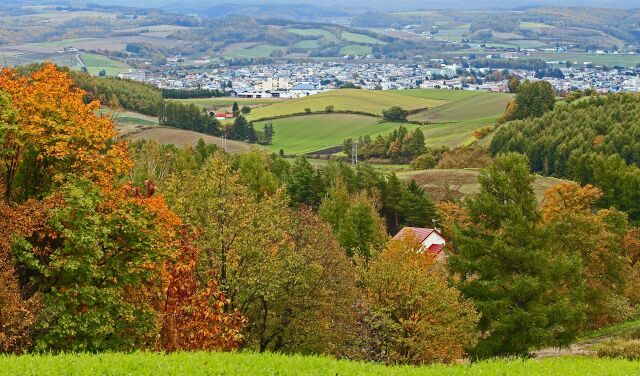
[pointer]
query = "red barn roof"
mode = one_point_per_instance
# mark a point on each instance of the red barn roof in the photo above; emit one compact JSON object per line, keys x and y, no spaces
{"x":435,"y":248}
{"x":420,"y":233}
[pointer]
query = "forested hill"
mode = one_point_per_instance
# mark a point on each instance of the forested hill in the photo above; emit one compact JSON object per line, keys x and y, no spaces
{"x":595,"y":140}
{"x":607,"y":125}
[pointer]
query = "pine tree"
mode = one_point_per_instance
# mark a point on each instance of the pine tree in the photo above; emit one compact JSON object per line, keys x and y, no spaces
{"x":528,"y":294}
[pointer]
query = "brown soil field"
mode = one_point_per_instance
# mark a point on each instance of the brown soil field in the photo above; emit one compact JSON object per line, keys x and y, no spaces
{"x":183,"y":138}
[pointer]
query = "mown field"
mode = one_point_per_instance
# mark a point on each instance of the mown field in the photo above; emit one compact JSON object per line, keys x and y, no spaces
{"x":370,"y":101}
{"x":610,"y":60}
{"x":309,"y":133}
{"x":95,"y":63}
{"x":442,"y":184}
{"x":184,"y":138}
{"x":201,"y":363}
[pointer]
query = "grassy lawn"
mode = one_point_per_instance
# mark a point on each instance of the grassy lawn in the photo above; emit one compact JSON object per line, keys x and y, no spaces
{"x":354,"y":49}
{"x":526,"y":43}
{"x":474,"y":107}
{"x":371,"y":101}
{"x":261,"y":50}
{"x":360,"y":38}
{"x":201,"y":363}
{"x":308,"y":133}
{"x":95,"y":63}
{"x":326,"y":34}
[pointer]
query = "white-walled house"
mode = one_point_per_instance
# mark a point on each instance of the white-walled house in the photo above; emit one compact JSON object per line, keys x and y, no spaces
{"x":431,"y":239}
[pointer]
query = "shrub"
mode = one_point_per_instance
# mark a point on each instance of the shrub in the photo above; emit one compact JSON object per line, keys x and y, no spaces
{"x":424,"y":162}
{"x":330,"y":108}
{"x":619,"y":349}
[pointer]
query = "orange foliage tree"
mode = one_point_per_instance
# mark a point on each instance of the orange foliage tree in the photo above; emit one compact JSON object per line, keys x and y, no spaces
{"x":54,"y":135}
{"x":194,"y":317}
{"x":416,"y":317}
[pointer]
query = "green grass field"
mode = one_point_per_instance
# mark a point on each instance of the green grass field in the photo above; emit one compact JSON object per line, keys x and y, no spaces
{"x":201,"y":363}
{"x":360,"y":38}
{"x":597,"y":59}
{"x":261,"y":50}
{"x":95,"y":63}
{"x":309,"y":133}
{"x":454,"y":134}
{"x":473,"y":107}
{"x":371,"y":101}
{"x":326,"y":34}
{"x":354,"y":49}
{"x":309,"y":43}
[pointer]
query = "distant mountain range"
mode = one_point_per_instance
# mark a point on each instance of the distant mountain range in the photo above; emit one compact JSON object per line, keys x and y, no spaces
{"x":358,"y":6}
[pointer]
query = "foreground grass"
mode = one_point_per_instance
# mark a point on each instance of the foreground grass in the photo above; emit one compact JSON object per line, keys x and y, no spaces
{"x":272,"y":364}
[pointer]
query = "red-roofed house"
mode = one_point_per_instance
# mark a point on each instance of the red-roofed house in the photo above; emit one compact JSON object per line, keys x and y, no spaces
{"x":431,"y":239}
{"x":223,"y":116}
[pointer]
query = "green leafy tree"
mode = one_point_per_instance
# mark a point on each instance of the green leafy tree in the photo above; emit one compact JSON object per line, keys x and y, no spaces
{"x":529,"y":295}
{"x":534,"y":99}
{"x":395,"y":114}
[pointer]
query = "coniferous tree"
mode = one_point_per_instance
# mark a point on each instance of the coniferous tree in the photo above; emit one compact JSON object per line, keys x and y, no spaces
{"x":528,"y":294}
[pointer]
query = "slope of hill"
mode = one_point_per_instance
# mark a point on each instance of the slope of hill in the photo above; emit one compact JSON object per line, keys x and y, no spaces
{"x":482,"y":105}
{"x":369,"y":101}
{"x":183,"y":138}
{"x":442,"y":184}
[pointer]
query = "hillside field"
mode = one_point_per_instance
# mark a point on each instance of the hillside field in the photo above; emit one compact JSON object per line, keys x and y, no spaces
{"x":95,"y":63}
{"x":471,"y":107}
{"x":185,"y":138}
{"x":309,"y":133}
{"x":442,"y":184}
{"x":370,"y":101}
{"x":216,"y":363}
{"x":226,"y":103}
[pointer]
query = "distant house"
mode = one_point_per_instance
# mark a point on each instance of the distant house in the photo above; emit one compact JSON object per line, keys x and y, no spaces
{"x":222,"y":116}
{"x":431,"y":239}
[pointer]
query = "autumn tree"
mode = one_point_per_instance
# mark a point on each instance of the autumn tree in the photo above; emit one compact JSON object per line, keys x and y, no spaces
{"x":415,"y":316}
{"x":272,"y":263}
{"x":598,"y":239}
{"x":52,"y":135}
{"x":193,"y":315}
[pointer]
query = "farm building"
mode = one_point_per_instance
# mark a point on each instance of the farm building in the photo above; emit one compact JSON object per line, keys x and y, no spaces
{"x":431,"y":239}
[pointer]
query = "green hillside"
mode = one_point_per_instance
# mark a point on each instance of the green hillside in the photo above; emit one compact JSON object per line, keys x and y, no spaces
{"x":472,"y":107}
{"x":308,"y":133}
{"x":370,"y":101}
{"x":216,"y":363}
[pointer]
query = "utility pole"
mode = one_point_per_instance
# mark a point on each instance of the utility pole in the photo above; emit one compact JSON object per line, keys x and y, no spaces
{"x":224,"y":142}
{"x":354,"y":153}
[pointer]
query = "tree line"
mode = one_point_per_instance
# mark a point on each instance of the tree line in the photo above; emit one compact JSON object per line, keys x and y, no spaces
{"x":401,"y":144}
{"x":592,"y":140}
